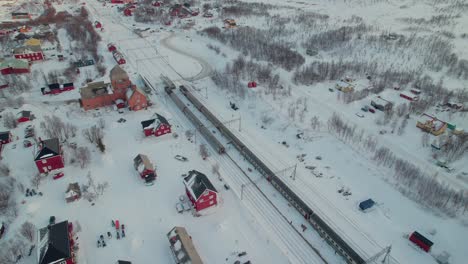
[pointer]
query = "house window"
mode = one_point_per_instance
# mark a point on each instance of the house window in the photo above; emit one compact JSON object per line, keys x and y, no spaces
{"x":201,"y":200}
{"x":50,"y":167}
{"x":211,"y":197}
{"x":44,"y":161}
{"x":211,"y":202}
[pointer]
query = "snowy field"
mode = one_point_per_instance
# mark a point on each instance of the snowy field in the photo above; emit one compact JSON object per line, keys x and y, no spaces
{"x":256,"y":220}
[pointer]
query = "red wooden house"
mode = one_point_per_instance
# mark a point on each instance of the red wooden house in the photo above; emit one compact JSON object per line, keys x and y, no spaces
{"x":136,"y":99}
{"x":97,"y":24}
{"x":49,"y":156}
{"x":200,"y":190}
{"x":145,"y":168}
{"x":5,"y":137}
{"x":56,"y":244}
{"x":118,"y":57}
{"x":56,"y":88}
{"x":14,"y":66}
{"x":156,"y":3}
{"x":117,"y":1}
{"x":157,"y":126}
{"x":24,"y":116}
{"x":30,"y":53}
{"x":421,"y":241}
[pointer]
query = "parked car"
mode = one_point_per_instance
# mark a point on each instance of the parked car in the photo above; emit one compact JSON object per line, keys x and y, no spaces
{"x":226,"y":186}
{"x":27,"y":143}
{"x":372,"y":110}
{"x":58,"y":175}
{"x":181,"y":158}
{"x":365,"y":108}
{"x":359,"y":115}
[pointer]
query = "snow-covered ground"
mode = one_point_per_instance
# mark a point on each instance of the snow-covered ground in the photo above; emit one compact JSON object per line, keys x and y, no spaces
{"x":246,"y":219}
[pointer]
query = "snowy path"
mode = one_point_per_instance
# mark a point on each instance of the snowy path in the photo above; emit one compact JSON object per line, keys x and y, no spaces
{"x":206,"y":67}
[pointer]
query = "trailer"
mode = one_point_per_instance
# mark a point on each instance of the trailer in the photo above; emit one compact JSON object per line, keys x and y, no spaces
{"x":409,"y":96}
{"x":421,"y":241}
{"x":118,"y":57}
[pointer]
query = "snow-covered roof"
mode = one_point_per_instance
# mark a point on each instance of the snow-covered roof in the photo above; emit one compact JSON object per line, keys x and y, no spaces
{"x":182,"y":245}
{"x":117,"y":73}
{"x":142,"y":162}
{"x":197,"y":183}
{"x":129,"y":93}
{"x":48,"y":148}
{"x":95,"y":89}
{"x":155,"y":122}
{"x":14,"y":63}
{"x":27,"y":49}
{"x":53,"y":243}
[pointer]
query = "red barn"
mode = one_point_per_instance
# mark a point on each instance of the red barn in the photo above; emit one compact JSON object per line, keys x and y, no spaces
{"x":56,"y":88}
{"x":24,"y":116}
{"x":157,"y":126}
{"x":200,"y":191}
{"x":30,"y":53}
{"x":56,"y":244}
{"x":409,"y":96}
{"x":50,"y":156}
{"x":14,"y":66}
{"x":5,"y":137}
{"x":421,"y":241}
{"x":118,"y":57}
{"x":145,"y":168}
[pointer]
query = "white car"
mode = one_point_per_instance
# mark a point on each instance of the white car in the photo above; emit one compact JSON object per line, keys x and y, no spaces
{"x":181,"y":158}
{"x":360,"y":115}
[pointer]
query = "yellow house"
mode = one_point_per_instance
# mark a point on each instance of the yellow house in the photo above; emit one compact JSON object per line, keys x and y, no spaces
{"x":32,"y":42}
{"x":345,"y":87}
{"x":431,"y":125}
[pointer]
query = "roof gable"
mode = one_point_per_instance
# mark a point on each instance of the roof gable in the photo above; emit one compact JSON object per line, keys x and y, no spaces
{"x":117,"y":74}
{"x":5,"y":135}
{"x":54,"y":243}
{"x":162,"y":119}
{"x":148,"y":123}
{"x":49,"y":148}
{"x":198,"y":183}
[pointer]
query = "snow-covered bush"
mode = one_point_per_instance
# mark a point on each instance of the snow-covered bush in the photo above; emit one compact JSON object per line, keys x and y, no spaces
{"x":28,"y":231}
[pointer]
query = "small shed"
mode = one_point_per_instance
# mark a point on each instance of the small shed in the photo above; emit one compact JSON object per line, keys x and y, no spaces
{"x":366,"y":204}
{"x":421,"y":241}
{"x":24,"y":116}
{"x":73,"y":192}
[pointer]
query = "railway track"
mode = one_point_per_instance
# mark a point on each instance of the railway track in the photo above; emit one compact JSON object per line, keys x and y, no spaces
{"x":324,"y":229}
